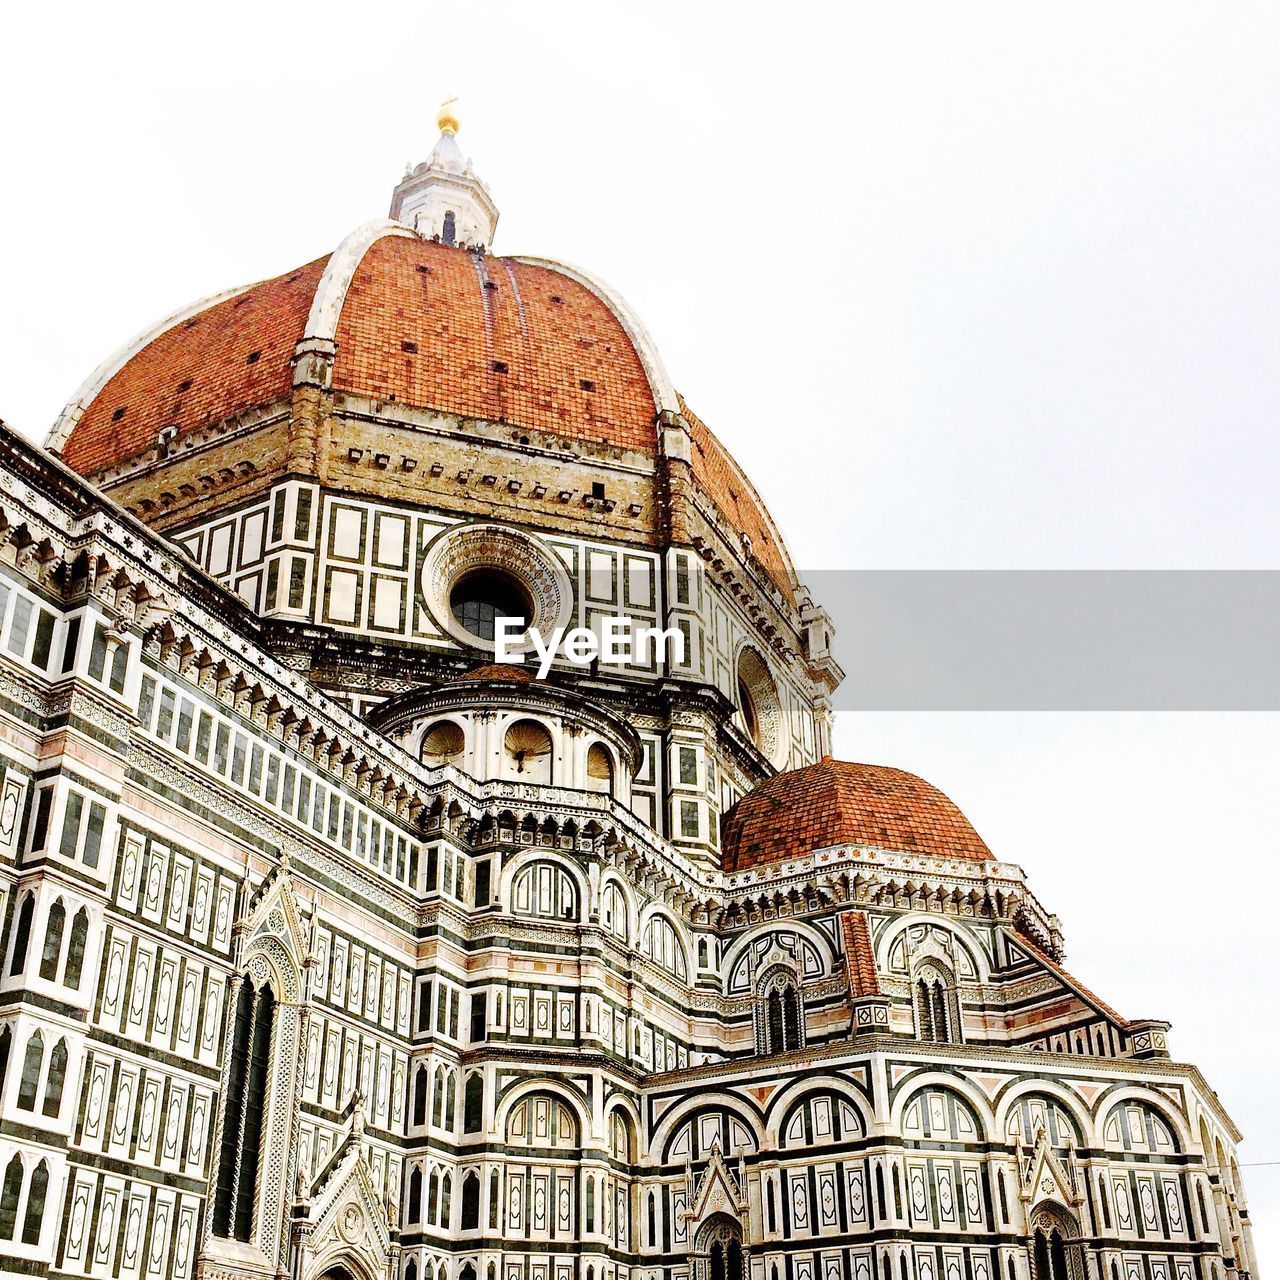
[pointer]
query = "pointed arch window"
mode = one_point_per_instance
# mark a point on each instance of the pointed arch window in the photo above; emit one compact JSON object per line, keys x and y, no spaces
{"x":937,"y":1015}
{"x":450,"y":230}
{"x":10,"y":1190}
{"x":76,"y":944}
{"x":55,"y":1080}
{"x":31,"y":1064}
{"x":414,"y":1211}
{"x":473,"y":1104}
{"x":33,"y":1218}
{"x":470,"y":1203}
{"x":53,"y":942}
{"x":6,"y":1044}
{"x":241,"y":1148}
{"x":1054,"y":1255}
{"x":22,"y":935}
{"x":420,"y":1086}
{"x":779,"y":1013}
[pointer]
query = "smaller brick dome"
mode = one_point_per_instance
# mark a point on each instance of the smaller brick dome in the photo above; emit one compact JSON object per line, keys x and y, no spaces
{"x":839,"y":802}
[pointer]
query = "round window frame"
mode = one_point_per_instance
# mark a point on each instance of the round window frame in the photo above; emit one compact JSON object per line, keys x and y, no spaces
{"x":459,"y":552}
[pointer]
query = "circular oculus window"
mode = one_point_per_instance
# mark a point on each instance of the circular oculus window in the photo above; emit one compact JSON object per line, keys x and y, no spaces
{"x":475,"y":575}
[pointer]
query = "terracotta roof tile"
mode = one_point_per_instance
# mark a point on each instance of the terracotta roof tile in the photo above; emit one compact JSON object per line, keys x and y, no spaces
{"x":1078,"y":987}
{"x":492,"y":338}
{"x":859,"y":955}
{"x":838,"y":802}
{"x":233,"y":356}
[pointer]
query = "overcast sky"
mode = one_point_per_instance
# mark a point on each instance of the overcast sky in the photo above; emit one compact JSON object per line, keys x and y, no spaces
{"x":961,"y":287}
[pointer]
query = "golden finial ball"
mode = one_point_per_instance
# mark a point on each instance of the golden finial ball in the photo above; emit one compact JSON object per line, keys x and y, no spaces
{"x":447,"y":117}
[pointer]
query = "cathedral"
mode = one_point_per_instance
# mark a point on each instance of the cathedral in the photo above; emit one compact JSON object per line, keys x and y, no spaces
{"x":335,"y":948}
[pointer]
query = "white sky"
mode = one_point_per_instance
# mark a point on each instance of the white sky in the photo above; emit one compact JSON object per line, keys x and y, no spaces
{"x":961,"y":286}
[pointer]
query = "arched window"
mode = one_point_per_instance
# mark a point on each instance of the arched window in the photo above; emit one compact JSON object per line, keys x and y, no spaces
{"x":446,"y":1196}
{"x":411,"y":1271}
{"x":470,"y":1203}
{"x":75,"y":950}
{"x":449,"y":233}
{"x":433,"y":1196}
{"x":661,"y":942}
{"x":437,"y":1099}
{"x":414,"y":1211}
{"x":545,"y":889}
{"x":451,"y":1101}
{"x":56,"y":1079}
{"x":589,"y":1205}
{"x":22,"y":935}
{"x":936,"y":1011}
{"x":599,"y":769}
{"x":33,"y":1219}
{"x":243,"y":1115}
{"x":493,"y":1200}
{"x":718,"y":1250}
{"x":53,"y":942}
{"x":6,"y":1044}
{"x":613,"y":911}
{"x":473,"y":1103}
{"x":779,"y":1013}
{"x":1052,"y":1250}
{"x":31,"y":1064}
{"x":9,"y":1193}
{"x":420,"y":1083}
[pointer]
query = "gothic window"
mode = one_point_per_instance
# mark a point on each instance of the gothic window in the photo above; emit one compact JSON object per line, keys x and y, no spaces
{"x":470,"y":1203}
{"x":33,"y":1218}
{"x":613,"y":910}
{"x":75,"y":950}
{"x":31,"y":1064}
{"x":450,"y":232}
{"x":473,"y":1104}
{"x":718,"y":1250}
{"x":779,"y":1013}
{"x":411,"y":1271}
{"x":450,"y":1100}
{"x":437,"y":1099}
{"x":493,"y":1200}
{"x":242,"y":1120}
{"x":414,"y":1211}
{"x":936,"y":1011}
{"x":433,"y":1196}
{"x":446,"y":1195}
{"x":420,"y":1084}
{"x":22,"y":934}
{"x":589,"y":1206}
{"x":53,"y":942}
{"x":6,"y":1044}
{"x":9,"y":1193}
{"x":1053,"y":1255}
{"x":56,"y":1079}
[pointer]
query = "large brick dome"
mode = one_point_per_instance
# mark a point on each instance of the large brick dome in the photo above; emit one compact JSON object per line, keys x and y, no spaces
{"x":406,"y":319}
{"x":838,"y":802}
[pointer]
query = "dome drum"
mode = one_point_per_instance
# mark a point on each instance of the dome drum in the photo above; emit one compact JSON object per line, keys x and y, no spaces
{"x":498,"y":724}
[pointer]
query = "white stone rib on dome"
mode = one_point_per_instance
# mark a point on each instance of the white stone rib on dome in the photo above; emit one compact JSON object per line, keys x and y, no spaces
{"x":664,"y":392}
{"x":74,"y":409}
{"x":331,"y":292}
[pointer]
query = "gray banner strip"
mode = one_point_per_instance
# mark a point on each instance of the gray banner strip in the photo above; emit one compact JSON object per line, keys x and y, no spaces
{"x":1068,"y":640}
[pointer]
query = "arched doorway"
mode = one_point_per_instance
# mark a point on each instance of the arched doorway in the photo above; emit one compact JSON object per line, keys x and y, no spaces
{"x":1055,"y":1245}
{"x":717,"y":1250}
